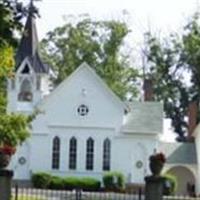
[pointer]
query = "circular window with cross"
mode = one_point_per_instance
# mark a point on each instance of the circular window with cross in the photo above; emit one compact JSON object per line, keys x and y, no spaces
{"x":83,"y":110}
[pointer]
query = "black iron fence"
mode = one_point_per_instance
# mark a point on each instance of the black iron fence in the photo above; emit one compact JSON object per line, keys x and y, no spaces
{"x":43,"y":194}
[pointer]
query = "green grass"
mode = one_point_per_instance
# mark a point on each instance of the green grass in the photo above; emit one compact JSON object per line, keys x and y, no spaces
{"x":28,"y":198}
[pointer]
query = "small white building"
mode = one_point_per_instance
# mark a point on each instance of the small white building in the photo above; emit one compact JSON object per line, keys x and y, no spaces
{"x":83,"y":128}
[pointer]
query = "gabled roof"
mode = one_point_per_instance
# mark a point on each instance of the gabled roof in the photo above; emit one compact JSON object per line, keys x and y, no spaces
{"x":85,"y":66}
{"x":144,"y":118}
{"x":28,"y":46}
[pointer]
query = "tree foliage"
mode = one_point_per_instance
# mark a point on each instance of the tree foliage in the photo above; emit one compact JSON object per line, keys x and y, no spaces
{"x":96,"y":42}
{"x":13,"y":127}
{"x":10,"y":14}
{"x":174,"y":66}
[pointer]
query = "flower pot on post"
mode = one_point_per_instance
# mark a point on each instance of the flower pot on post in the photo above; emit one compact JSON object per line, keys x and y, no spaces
{"x":5,"y":184}
{"x":154,"y":183}
{"x":6,"y":153}
{"x":156,"y":163}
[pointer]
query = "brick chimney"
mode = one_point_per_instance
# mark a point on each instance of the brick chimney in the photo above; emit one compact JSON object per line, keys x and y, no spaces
{"x":148,"y":90}
{"x":192,"y":117}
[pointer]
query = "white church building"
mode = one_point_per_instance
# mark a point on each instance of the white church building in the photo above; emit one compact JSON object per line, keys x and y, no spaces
{"x":84,"y":129}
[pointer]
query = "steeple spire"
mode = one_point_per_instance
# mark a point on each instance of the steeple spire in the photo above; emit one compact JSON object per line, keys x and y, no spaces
{"x":29,"y":43}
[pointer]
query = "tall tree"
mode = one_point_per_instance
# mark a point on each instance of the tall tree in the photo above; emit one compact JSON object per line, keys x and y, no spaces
{"x":174,"y":65}
{"x":14,"y":127}
{"x":96,"y":42}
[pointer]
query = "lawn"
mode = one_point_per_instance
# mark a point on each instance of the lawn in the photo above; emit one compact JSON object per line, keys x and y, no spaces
{"x":30,"y":197}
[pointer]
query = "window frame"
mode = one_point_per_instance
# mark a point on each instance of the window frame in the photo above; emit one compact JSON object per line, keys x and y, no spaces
{"x":72,"y":153}
{"x":106,"y":154}
{"x":55,"y":163}
{"x":89,"y":154}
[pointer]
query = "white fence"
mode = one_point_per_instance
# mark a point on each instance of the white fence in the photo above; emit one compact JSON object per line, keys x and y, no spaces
{"x":180,"y":198}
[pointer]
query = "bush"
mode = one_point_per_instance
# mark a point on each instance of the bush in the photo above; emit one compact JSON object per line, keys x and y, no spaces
{"x":90,"y":184}
{"x":113,"y":180}
{"x":44,"y":180}
{"x":170,"y":184}
{"x":56,"y":183}
{"x":71,"y":183}
{"x":41,"y":180}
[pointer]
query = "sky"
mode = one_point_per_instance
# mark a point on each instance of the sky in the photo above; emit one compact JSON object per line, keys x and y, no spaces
{"x":159,"y":16}
{"x":141,"y":15}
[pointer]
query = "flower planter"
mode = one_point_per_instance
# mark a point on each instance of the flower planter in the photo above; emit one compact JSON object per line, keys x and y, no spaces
{"x":156,"y":163}
{"x":156,"y":167}
{"x":6,"y":153}
{"x":4,"y":160}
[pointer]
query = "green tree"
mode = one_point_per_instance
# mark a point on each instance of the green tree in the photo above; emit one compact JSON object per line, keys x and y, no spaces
{"x":10,"y":14}
{"x":174,"y":66}
{"x":13,"y":127}
{"x":99,"y":44}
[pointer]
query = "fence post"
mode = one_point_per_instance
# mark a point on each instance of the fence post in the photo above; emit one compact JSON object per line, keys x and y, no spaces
{"x":154,"y":188}
{"x":5,"y":184}
{"x":16,"y":192}
{"x":78,"y":194}
{"x":140,"y":194}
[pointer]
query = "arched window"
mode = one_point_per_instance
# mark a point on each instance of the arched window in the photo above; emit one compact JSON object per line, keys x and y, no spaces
{"x":106,"y":154}
{"x":90,"y":154}
{"x":25,"y":93}
{"x":72,"y":153}
{"x":56,"y":153}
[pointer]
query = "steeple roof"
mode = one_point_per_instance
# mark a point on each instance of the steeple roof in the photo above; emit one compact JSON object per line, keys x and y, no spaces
{"x":28,"y":47}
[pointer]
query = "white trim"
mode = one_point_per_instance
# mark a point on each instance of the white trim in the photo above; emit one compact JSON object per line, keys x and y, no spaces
{"x":136,"y":136}
{"x":39,"y":134}
{"x":98,"y":79}
{"x":78,"y":127}
{"x":128,"y":131}
{"x":80,"y":172}
{"x":189,"y":167}
{"x":23,"y":64}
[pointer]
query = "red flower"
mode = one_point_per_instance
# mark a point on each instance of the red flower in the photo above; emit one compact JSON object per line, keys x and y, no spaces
{"x":6,"y":149}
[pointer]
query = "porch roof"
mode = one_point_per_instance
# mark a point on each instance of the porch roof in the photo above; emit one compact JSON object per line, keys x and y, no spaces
{"x":179,"y":153}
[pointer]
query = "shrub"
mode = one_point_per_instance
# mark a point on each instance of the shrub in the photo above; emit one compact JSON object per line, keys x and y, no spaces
{"x":113,"y":180}
{"x":71,"y":183}
{"x":170,"y":184}
{"x":90,"y":184}
{"x":41,"y":180}
{"x":56,"y":183}
{"x":44,"y":180}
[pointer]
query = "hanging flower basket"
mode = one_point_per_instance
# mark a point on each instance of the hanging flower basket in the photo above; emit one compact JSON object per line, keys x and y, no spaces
{"x":156,"y":163}
{"x":6,"y":153}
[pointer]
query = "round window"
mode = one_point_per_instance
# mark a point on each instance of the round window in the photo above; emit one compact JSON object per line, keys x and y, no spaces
{"x":139,"y":164}
{"x":22,"y":160}
{"x":83,"y":110}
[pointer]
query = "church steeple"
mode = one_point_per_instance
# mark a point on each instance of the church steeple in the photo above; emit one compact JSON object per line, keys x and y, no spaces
{"x":28,"y":47}
{"x":31,"y":82}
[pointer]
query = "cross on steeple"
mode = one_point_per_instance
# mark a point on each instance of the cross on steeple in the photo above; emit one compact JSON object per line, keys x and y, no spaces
{"x":28,"y":47}
{"x":32,"y":10}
